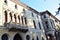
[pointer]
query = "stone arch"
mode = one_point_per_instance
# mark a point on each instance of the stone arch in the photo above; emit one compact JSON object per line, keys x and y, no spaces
{"x":17,"y":37}
{"x":4,"y":37}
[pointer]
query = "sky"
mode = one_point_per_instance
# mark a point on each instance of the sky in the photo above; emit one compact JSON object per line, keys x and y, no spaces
{"x":42,"y":5}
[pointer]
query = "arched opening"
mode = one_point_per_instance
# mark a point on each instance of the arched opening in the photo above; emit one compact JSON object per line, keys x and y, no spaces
{"x":37,"y":38}
{"x":32,"y":38}
{"x":15,"y":18}
{"x":19,"y":18}
{"x":27,"y":37}
{"x":6,"y":16}
{"x":49,"y":37}
{"x":42,"y":38}
{"x":4,"y":37}
{"x":10,"y":16}
{"x":17,"y":37}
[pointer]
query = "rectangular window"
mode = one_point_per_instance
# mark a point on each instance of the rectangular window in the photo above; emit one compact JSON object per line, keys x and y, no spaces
{"x":10,"y":16}
{"x":52,"y":23}
{"x":39,"y":25}
{"x":32,"y":15}
{"x":34,"y":24}
{"x":6,"y":16}
{"x":47,"y":25}
{"x":25,"y":20}
{"x":22,"y":19}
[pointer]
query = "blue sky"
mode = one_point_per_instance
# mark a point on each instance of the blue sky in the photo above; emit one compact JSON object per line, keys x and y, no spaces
{"x":42,"y":5}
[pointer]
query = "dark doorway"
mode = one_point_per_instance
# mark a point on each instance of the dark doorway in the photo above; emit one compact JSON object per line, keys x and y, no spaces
{"x":4,"y":37}
{"x":17,"y":37}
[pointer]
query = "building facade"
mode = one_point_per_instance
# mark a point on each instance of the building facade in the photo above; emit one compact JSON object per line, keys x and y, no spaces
{"x":51,"y":25}
{"x":20,"y":22}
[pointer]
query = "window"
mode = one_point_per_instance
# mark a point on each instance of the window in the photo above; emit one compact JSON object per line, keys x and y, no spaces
{"x":34,"y":24}
{"x":15,"y":17}
{"x":55,"y":20}
{"x":42,"y":38}
{"x":10,"y":16}
{"x":37,"y":38}
{"x":32,"y":15}
{"x":4,"y":37}
{"x":27,"y":37}
{"x":22,"y":19}
{"x":15,"y":6}
{"x":24,"y":10}
{"x":5,"y":1}
{"x":32,"y":38}
{"x":5,"y":16}
{"x":39,"y":25}
{"x":47,"y":25}
{"x":44,"y":16}
{"x":19,"y":18}
{"x":52,"y":23}
{"x":46,"y":22}
{"x":37,"y":16}
{"x":25,"y":20}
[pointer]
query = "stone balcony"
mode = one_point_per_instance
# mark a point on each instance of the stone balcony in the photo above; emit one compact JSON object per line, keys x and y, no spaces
{"x":16,"y":27}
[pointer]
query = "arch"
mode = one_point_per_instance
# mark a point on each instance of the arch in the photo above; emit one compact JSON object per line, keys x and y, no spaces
{"x":27,"y":37}
{"x":10,"y":16}
{"x":17,"y":37}
{"x":49,"y":37}
{"x":15,"y":17}
{"x":19,"y":18}
{"x":37,"y":38}
{"x":42,"y":38}
{"x":6,"y":16}
{"x":4,"y":37}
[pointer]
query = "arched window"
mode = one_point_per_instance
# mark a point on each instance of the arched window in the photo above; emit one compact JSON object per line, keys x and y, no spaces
{"x":42,"y":38}
{"x":25,"y":20}
{"x":10,"y":16}
{"x":27,"y":37}
{"x":19,"y":18}
{"x":32,"y":38}
{"x":17,"y":37}
{"x":5,"y":16}
{"x":15,"y":17}
{"x":24,"y":10}
{"x":15,"y":6}
{"x":22,"y":19}
{"x":4,"y":37}
{"x":37,"y":38}
{"x":5,"y":1}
